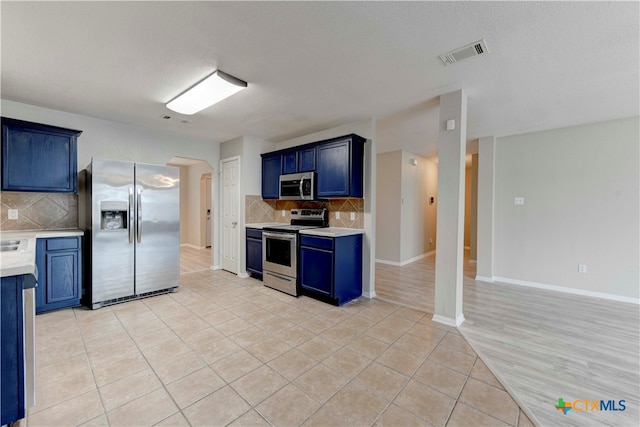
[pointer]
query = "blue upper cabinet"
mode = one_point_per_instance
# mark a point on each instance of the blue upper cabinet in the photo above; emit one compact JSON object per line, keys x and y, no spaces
{"x":340,"y":167}
{"x":338,"y":163}
{"x":271,"y":169}
{"x":307,"y":159}
{"x":38,"y":157}
{"x":303,"y":160}
{"x":290,"y":162}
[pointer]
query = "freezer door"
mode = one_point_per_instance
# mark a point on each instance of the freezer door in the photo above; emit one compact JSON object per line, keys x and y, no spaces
{"x":158,"y":227}
{"x":112,"y":254}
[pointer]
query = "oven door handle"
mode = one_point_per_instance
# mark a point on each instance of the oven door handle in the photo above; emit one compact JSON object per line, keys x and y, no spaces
{"x":279,"y":236}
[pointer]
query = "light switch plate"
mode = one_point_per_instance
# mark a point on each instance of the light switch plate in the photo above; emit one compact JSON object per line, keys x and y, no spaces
{"x":12,"y":214}
{"x":352,"y":216}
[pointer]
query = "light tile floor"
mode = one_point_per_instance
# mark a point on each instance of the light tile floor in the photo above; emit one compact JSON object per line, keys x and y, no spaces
{"x":229,"y":351}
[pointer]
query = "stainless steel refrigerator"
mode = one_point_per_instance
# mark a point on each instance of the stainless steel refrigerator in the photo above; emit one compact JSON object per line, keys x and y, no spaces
{"x":131,"y":216}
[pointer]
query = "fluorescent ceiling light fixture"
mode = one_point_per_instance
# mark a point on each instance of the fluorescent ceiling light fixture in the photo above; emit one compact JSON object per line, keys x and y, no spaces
{"x":209,"y":91}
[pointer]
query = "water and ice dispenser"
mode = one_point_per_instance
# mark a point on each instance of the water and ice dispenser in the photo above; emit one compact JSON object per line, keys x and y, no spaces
{"x":113,"y":214}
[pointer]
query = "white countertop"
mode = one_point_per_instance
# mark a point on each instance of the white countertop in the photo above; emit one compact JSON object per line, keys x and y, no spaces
{"x":261,"y":225}
{"x":332,"y":231}
{"x":19,"y":262}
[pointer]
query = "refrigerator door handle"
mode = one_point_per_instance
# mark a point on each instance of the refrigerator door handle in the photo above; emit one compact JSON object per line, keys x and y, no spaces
{"x":139,"y":222}
{"x":131,"y":216}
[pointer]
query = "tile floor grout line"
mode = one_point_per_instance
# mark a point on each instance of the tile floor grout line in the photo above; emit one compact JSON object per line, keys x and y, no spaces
{"x":387,"y":316}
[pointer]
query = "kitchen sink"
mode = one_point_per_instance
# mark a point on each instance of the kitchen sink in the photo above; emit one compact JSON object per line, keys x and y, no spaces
{"x":12,"y":245}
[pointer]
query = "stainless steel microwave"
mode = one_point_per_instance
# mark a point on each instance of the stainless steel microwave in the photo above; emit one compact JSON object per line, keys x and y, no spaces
{"x":298,"y":186}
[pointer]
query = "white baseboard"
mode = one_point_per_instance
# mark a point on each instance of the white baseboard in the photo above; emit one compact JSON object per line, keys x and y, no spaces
{"x":408,"y":261}
{"x":384,"y":261}
{"x":485,"y":279}
{"x":189,"y":245}
{"x":369,"y":294}
{"x":449,"y":321}
{"x":243,"y":275}
{"x":215,"y":267}
{"x":566,"y":290}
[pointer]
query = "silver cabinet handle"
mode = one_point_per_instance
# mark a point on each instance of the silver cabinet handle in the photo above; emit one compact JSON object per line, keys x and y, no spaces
{"x":131,"y":216}
{"x":139,"y":222}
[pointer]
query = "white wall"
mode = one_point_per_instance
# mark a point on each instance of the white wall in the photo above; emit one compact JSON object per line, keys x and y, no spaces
{"x":388,"y":207}
{"x":184,"y":206}
{"x":252,"y":163}
{"x":249,"y":150}
{"x":581,"y":189}
{"x":418,"y":216}
{"x":117,"y":141}
{"x":405,"y":220}
{"x":468,"y":182}
{"x":194,"y":211}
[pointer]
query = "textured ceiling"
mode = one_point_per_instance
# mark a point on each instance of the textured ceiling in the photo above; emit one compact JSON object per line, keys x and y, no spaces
{"x":316,"y":65}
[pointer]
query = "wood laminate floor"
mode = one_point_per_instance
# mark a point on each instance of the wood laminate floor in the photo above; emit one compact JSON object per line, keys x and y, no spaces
{"x":541,"y":345}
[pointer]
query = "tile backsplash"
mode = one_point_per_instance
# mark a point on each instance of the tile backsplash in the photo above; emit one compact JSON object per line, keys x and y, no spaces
{"x":258,"y":211}
{"x":38,"y":211}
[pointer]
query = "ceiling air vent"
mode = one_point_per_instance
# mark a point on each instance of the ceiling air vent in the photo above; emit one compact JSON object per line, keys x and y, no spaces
{"x":474,"y":49}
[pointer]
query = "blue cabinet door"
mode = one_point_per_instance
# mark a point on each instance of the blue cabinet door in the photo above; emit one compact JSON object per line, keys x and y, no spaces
{"x":62,"y":279}
{"x":271,"y":169}
{"x":333,"y":169}
{"x":316,"y":270}
{"x":290,"y":162}
{"x":254,"y":252}
{"x":38,"y":157}
{"x":59,"y":268}
{"x":307,"y":160}
{"x":11,"y":350}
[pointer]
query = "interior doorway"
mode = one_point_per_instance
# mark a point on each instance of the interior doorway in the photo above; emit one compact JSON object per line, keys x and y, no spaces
{"x":195,"y":201}
{"x":205,"y":210}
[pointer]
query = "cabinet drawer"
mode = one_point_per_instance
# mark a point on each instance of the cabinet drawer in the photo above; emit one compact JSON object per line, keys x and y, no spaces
{"x":252,"y":233}
{"x":318,"y":242}
{"x":57,"y":244}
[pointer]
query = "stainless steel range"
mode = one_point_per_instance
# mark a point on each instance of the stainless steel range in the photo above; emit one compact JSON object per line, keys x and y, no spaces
{"x":280,"y":249}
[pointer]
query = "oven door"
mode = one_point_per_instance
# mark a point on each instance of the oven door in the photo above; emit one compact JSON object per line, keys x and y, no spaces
{"x":279,"y":253}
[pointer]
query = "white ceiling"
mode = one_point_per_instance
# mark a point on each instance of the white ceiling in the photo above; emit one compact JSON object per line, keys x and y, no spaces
{"x":315,"y":65}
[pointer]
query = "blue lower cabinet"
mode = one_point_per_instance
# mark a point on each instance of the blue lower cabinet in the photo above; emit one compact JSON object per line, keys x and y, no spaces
{"x":254,"y":253}
{"x":12,"y":350}
{"x":331,"y":268}
{"x":60,"y":271}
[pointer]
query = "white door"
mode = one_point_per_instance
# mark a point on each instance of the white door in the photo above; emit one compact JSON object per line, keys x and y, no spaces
{"x":208,"y":207}
{"x":230,"y":207}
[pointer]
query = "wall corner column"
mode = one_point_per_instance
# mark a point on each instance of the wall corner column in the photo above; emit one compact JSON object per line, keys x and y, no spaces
{"x":450,"y":228}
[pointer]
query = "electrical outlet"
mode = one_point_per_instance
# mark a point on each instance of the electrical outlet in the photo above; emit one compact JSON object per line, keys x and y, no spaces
{"x":283,"y":212}
{"x":352,"y":216}
{"x":13,"y":213}
{"x":337,"y":214}
{"x":431,"y":240}
{"x":582,"y":268}
{"x":518,"y":201}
